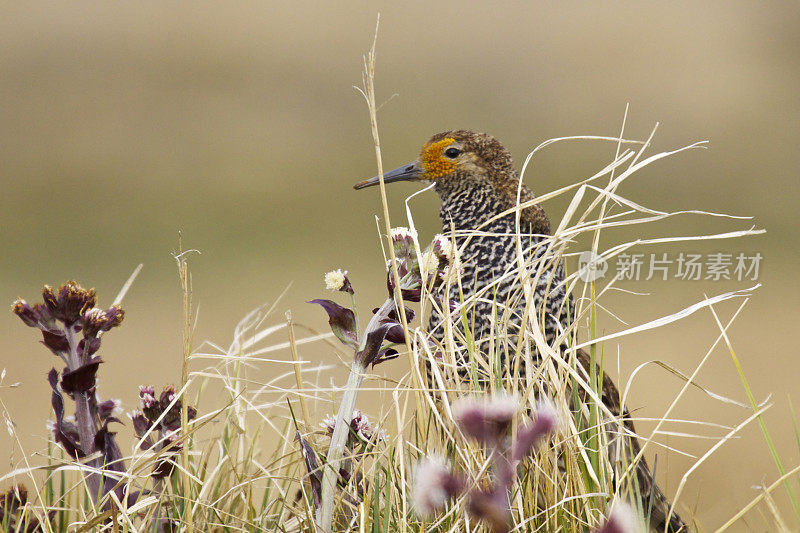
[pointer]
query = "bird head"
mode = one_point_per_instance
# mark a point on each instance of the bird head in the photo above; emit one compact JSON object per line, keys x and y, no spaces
{"x":452,"y":157}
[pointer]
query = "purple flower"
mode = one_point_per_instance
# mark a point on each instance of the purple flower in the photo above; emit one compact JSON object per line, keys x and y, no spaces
{"x":360,"y":428}
{"x":27,"y":313}
{"x":163,"y":424}
{"x":486,"y":421}
{"x":529,"y":437}
{"x":108,"y":409}
{"x":95,"y":320}
{"x":69,"y":301}
{"x":492,"y":507}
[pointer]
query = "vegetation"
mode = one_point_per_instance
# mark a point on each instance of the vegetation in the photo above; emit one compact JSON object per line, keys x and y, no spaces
{"x":290,"y":453}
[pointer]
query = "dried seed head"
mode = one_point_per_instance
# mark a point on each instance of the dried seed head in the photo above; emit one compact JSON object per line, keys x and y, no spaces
{"x":337,"y":280}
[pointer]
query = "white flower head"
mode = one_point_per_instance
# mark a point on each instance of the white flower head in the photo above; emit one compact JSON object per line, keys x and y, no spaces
{"x":335,"y":279}
{"x":502,"y":407}
{"x":621,"y":519}
{"x":401,"y":233}
{"x":433,"y":485}
{"x":443,"y":247}
{"x":94,"y":314}
{"x":328,"y":423}
{"x":429,"y":262}
{"x":359,"y":425}
{"x":366,"y":431}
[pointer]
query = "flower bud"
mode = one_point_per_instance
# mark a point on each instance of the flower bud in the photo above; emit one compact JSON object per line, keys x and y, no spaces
{"x":108,"y":409}
{"x":21,"y":308}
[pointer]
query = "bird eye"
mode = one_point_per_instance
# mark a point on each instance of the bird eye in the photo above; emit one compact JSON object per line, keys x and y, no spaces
{"x":452,"y":153}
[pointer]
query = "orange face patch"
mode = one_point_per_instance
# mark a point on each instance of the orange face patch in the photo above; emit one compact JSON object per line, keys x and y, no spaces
{"x":434,"y":163}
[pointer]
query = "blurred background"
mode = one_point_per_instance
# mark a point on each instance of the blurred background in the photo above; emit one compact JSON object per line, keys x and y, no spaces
{"x":237,"y":124}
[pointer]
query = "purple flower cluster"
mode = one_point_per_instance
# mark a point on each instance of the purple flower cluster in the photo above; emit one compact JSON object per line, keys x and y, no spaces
{"x":361,"y":429}
{"x":71,"y":327}
{"x":157,"y":424}
{"x":12,"y":504}
{"x":487,"y":421}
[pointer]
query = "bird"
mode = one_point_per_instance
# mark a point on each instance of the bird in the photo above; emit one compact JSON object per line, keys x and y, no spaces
{"x":479,"y":189}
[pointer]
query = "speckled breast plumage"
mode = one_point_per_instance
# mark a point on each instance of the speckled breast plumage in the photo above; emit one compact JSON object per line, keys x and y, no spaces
{"x":489,"y":276}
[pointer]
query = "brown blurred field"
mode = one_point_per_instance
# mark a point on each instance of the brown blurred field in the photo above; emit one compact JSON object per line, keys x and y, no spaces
{"x":121,"y":124}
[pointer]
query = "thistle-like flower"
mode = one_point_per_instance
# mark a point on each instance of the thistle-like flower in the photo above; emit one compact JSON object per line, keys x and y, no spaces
{"x":361,"y":429}
{"x":157,"y":425}
{"x":529,"y":437}
{"x":442,"y":247}
{"x":486,"y":420}
{"x":434,"y":485}
{"x":404,"y":236}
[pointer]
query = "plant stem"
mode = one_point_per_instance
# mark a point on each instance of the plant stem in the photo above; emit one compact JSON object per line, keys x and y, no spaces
{"x":341,"y":430}
{"x":336,"y":451}
{"x":369,"y":95}
{"x":87,"y":427}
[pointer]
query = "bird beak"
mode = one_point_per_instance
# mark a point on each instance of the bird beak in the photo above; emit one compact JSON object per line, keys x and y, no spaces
{"x":410,"y":172}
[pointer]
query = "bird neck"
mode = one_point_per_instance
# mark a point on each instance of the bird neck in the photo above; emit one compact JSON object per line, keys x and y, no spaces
{"x":474,"y":205}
